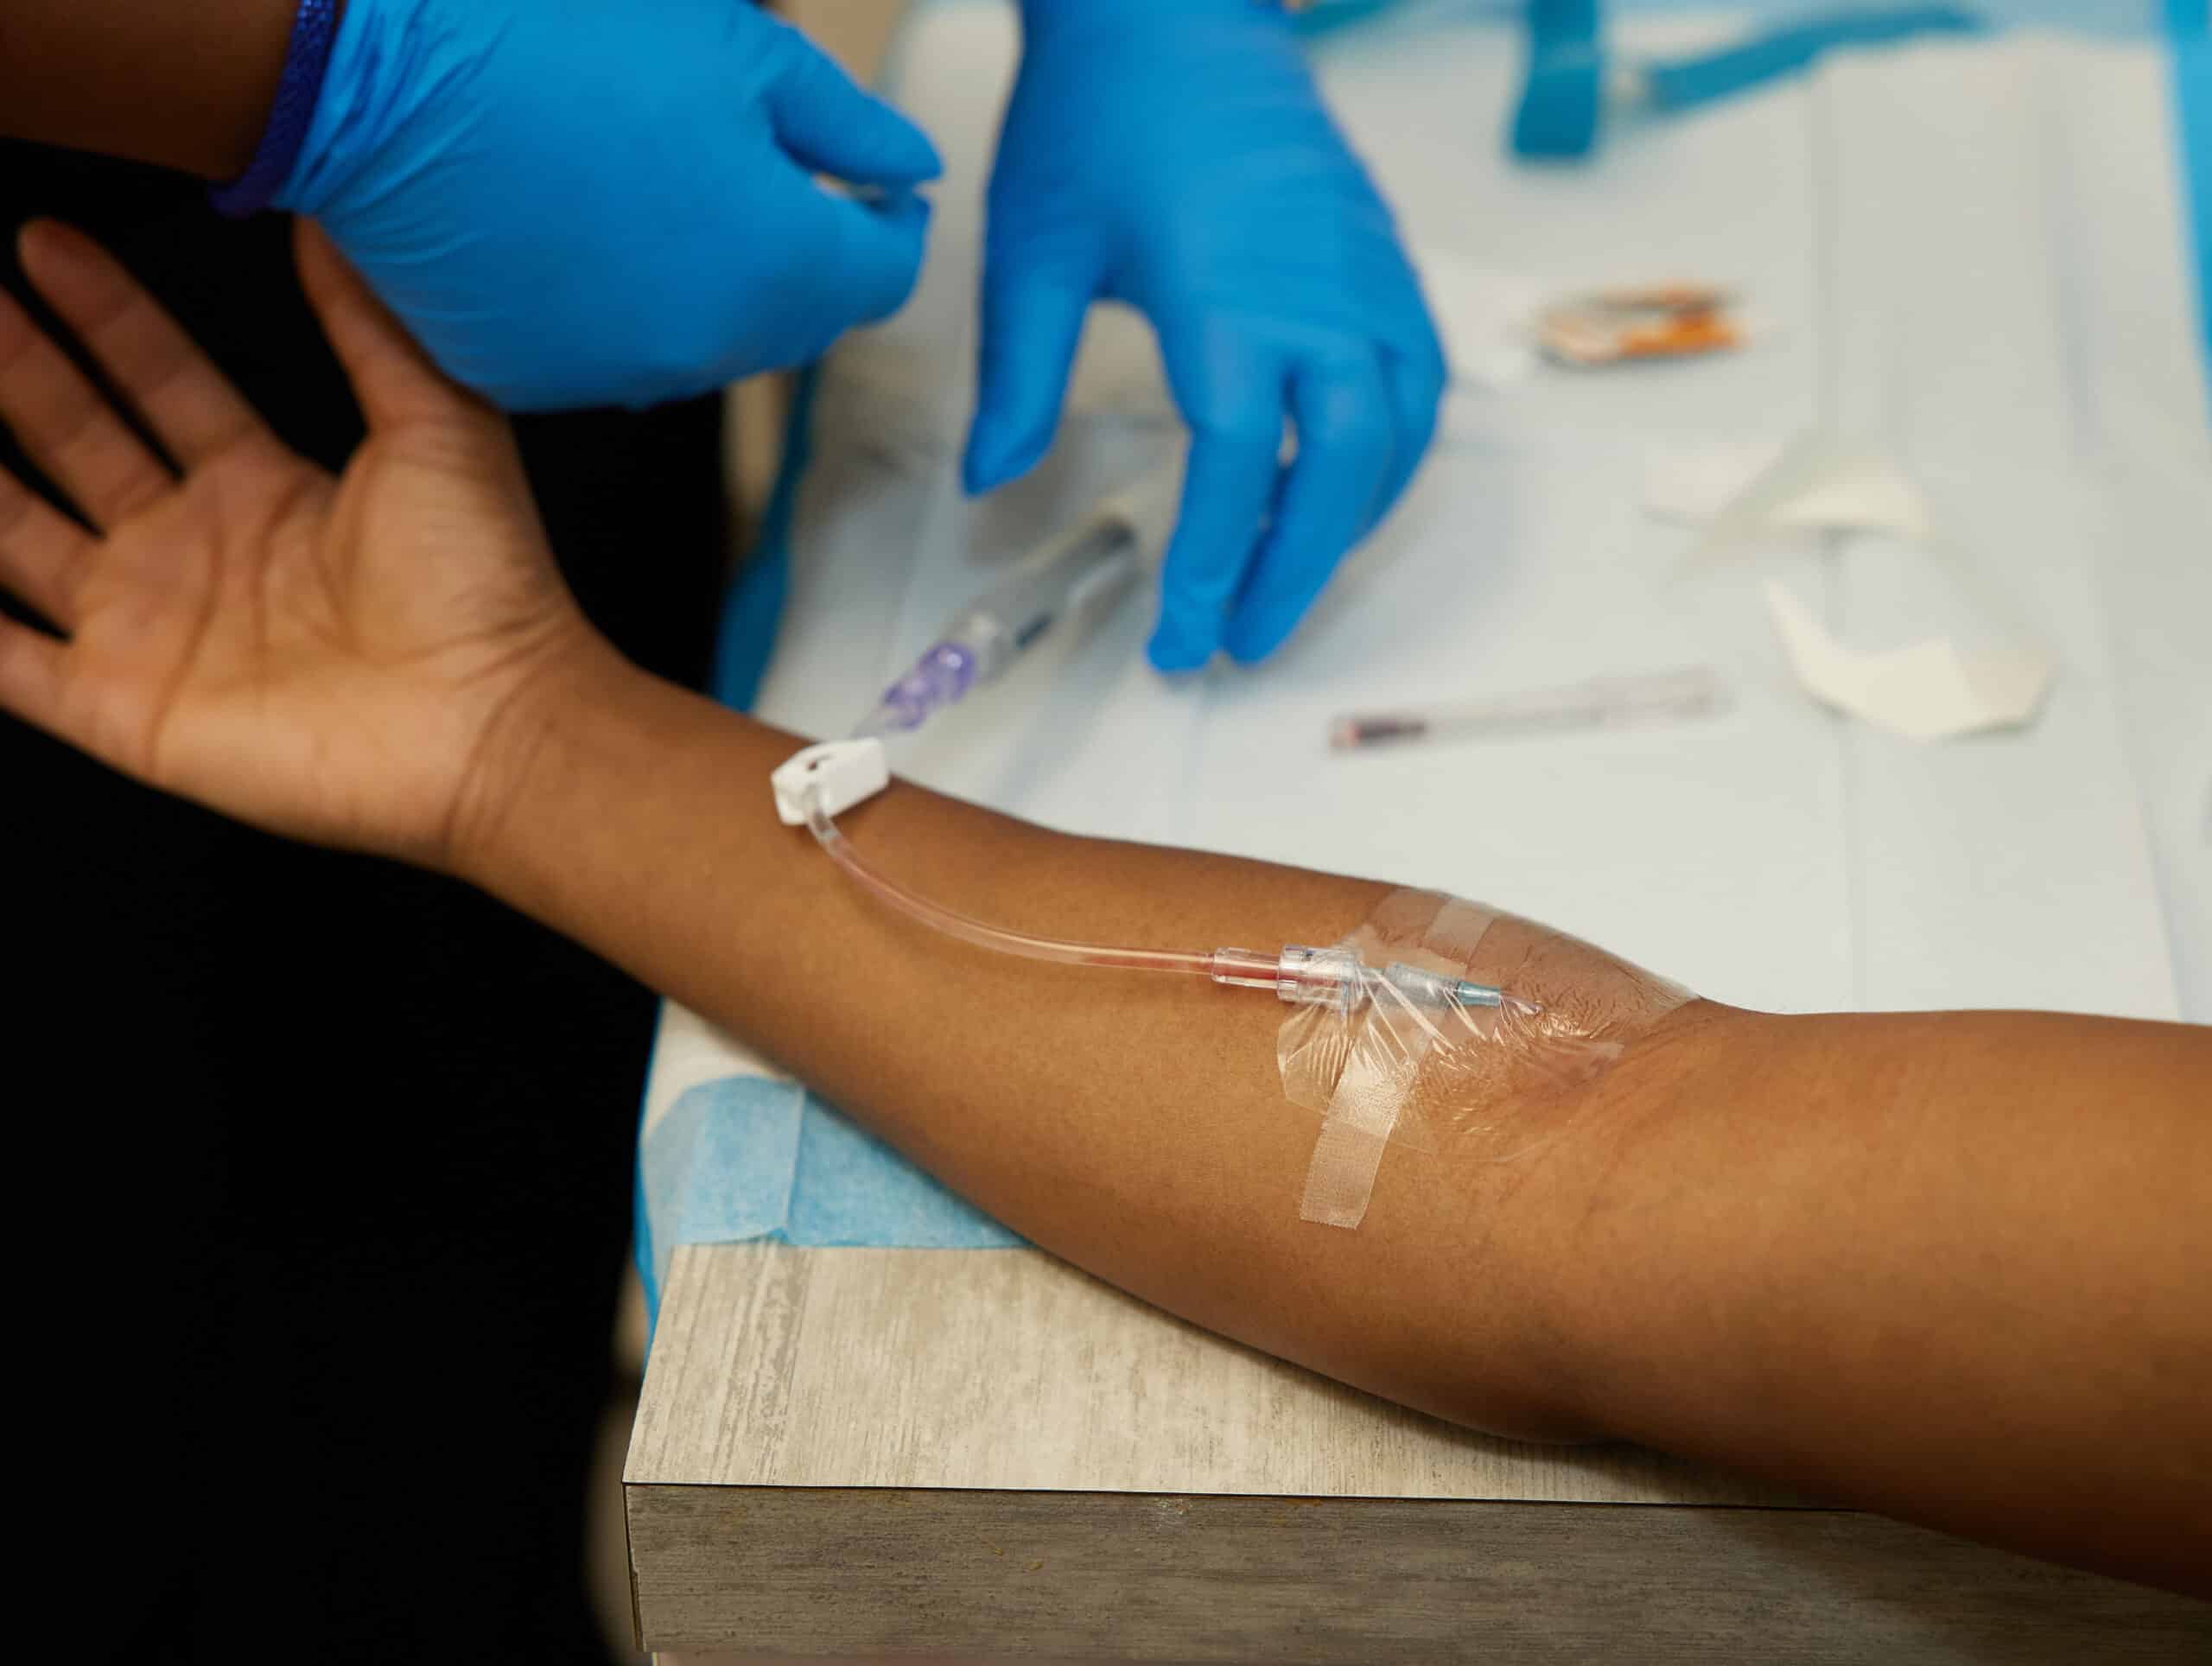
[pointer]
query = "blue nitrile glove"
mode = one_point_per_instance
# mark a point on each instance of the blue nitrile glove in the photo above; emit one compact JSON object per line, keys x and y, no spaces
{"x":577,"y":202}
{"x":1174,"y":154}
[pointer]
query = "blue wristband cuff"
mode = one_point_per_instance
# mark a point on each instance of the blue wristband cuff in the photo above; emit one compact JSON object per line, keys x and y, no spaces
{"x":314,"y":28}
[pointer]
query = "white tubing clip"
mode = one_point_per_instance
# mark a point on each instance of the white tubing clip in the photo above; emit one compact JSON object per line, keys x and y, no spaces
{"x":837,"y":773}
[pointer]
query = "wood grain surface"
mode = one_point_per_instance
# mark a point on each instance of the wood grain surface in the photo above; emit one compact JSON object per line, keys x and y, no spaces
{"x":914,"y":1368}
{"x":899,"y":1572}
{"x":875,"y":1454}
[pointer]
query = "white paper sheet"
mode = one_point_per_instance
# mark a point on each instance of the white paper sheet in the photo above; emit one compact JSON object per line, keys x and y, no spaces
{"x":1779,"y":856}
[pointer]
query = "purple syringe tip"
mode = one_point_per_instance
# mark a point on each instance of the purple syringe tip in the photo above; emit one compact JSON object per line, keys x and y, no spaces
{"x":940,"y":677}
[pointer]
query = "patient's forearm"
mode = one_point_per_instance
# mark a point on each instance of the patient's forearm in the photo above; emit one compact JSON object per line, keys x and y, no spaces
{"x":188,"y":86}
{"x":1132,"y":1123}
{"x":1953,"y":1267}
{"x":1947,"y":1267}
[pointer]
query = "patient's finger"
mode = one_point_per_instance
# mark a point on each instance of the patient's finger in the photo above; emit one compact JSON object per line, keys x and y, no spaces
{"x":42,"y":554}
{"x":31,"y":675}
{"x":392,"y":377}
{"x":189,"y":404}
{"x":69,"y":430}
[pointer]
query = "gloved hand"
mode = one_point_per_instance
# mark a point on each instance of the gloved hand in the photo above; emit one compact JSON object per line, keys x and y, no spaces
{"x":575,"y":202}
{"x":1174,"y":154}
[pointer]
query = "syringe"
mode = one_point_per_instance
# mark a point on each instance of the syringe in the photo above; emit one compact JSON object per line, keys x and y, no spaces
{"x":1074,"y":581}
{"x":1601,"y":703}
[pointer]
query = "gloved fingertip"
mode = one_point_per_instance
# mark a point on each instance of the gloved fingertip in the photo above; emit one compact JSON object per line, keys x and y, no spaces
{"x":1250,"y":638}
{"x":929,"y":162}
{"x":1180,"y":645}
{"x":995,"y":456}
{"x":830,"y":124}
{"x":909,"y":158}
{"x":1033,"y":320}
{"x":976,"y":476}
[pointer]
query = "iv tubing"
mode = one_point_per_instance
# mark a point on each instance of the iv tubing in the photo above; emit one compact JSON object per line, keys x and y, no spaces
{"x":1298,"y":976}
{"x":954,"y":924}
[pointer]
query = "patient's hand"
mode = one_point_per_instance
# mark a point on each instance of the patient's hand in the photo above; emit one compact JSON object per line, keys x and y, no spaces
{"x":328,"y":658}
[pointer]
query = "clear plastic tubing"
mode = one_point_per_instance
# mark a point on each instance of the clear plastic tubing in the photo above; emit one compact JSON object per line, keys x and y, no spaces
{"x":1298,"y":976}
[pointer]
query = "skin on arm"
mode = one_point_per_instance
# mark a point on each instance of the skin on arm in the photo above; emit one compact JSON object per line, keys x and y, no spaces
{"x":1949,"y":1267}
{"x":185,"y":86}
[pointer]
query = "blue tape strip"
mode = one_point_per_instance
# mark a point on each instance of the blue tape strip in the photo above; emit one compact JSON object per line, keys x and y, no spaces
{"x":1684,"y":83}
{"x":641,"y":1246}
{"x":1562,"y":98}
{"x":2192,"y":58}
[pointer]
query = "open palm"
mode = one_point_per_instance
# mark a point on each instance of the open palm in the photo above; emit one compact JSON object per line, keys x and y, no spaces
{"x":324,"y":658}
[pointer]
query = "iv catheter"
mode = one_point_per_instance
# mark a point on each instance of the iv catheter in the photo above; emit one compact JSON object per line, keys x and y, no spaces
{"x":1072,"y":582}
{"x":819,"y":783}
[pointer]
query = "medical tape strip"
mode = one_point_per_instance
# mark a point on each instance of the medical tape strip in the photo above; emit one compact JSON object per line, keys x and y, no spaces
{"x":1386,"y":1041}
{"x":1340,"y":1176}
{"x":1405,"y":1058}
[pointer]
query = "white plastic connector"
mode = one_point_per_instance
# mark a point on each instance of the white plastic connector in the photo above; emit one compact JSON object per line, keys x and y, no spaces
{"x":840,"y":773}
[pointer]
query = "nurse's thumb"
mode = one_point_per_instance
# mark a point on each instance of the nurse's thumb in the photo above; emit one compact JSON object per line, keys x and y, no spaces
{"x":827,"y":125}
{"x":869,"y":265}
{"x":1032,"y":325}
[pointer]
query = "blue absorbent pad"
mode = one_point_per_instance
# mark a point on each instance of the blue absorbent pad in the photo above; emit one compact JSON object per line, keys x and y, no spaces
{"x":757,"y":1157}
